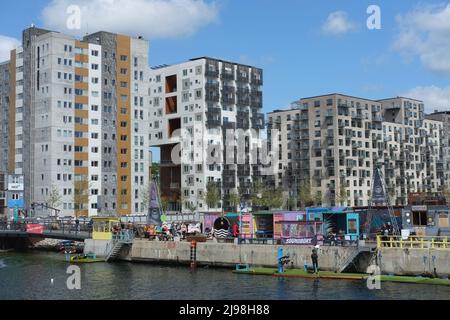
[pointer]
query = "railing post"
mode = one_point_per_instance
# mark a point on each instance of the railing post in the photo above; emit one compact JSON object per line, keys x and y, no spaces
{"x":401,"y":242}
{"x":378,"y":242}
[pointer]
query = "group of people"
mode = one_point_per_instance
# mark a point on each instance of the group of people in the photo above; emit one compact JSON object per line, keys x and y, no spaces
{"x":386,"y":230}
{"x":336,"y":238}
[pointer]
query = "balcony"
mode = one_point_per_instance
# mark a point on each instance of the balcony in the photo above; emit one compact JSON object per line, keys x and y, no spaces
{"x":213,"y":73}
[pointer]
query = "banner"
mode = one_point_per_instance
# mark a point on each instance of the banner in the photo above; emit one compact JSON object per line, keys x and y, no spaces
{"x":378,"y":195}
{"x":35,"y":228}
{"x":154,"y":215}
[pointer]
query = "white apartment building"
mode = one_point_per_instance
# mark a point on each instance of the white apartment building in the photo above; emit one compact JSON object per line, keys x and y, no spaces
{"x":334,"y":143}
{"x":193,"y":105}
{"x":81,"y":122}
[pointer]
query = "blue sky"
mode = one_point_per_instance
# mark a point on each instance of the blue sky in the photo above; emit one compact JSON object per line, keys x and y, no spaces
{"x":306,"y":48}
{"x":286,"y":38}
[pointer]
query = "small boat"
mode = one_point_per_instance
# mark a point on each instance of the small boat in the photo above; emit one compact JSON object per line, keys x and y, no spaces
{"x":86,"y":258}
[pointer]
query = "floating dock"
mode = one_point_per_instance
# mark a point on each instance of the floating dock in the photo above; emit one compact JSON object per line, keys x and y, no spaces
{"x":297,"y":273}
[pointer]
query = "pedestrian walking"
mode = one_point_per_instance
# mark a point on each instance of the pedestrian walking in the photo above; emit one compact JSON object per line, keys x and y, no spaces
{"x":315,"y":260}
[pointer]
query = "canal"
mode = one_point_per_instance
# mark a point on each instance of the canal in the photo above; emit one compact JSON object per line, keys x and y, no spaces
{"x":29,"y":276}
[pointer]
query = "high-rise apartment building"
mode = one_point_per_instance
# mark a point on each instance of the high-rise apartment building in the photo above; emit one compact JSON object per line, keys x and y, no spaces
{"x":206,"y":106}
{"x":77,"y":121}
{"x":444,"y":117}
{"x":334,"y":143}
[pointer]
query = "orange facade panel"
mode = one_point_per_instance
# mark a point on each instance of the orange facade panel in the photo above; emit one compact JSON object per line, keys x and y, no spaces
{"x":82,"y":142}
{"x":82,"y":114}
{"x":123,"y":62}
{"x":82,"y":99}
{"x":81,"y":44}
{"x":82,"y":58}
{"x":81,"y":127}
{"x":82,"y":156}
{"x":82,"y":72}
{"x":81,"y":171}
{"x":82,"y":85}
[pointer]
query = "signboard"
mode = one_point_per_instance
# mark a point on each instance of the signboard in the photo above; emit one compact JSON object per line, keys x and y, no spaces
{"x":16,"y":215}
{"x":16,"y":203}
{"x":378,"y":195}
{"x":419,"y":208}
{"x":247,"y":229}
{"x":15,"y":187}
{"x":35,"y":228}
{"x":154,"y":207}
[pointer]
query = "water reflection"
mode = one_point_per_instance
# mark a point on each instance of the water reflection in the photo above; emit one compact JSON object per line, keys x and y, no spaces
{"x":29,"y":277}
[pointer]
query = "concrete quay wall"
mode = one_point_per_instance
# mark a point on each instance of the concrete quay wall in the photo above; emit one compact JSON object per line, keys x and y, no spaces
{"x":228,"y":255}
{"x":404,"y":261}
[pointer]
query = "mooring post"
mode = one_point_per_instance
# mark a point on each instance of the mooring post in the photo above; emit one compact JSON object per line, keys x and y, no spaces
{"x":193,"y":254}
{"x":280,"y":262}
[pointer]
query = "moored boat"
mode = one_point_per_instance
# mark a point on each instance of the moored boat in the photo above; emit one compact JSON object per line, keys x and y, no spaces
{"x":85,"y":258}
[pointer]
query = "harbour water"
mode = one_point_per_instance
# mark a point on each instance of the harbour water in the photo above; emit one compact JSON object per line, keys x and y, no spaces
{"x":29,"y":276}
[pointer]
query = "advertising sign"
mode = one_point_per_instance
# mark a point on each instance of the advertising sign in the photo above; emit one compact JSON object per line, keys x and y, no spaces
{"x":35,"y":228}
{"x":247,"y":229}
{"x":378,"y":195}
{"x":15,"y":187}
{"x":154,"y":208}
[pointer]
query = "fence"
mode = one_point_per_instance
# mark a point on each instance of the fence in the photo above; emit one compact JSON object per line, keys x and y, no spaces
{"x":51,"y":226}
{"x":414,"y":242}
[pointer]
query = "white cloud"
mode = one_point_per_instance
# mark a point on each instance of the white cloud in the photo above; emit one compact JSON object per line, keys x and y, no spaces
{"x":149,"y":18}
{"x":6,"y":45}
{"x":425,"y":33}
{"x":434,"y":98}
{"x":337,"y":23}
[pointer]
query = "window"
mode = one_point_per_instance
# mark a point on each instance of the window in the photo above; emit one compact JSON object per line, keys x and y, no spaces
{"x":94,"y":66}
{"x":94,"y":53}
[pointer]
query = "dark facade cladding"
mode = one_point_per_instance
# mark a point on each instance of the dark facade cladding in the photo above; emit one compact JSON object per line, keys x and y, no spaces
{"x":4,"y":115}
{"x":108,"y":41}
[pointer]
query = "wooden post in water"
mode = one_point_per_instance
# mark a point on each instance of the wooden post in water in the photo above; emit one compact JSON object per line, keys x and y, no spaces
{"x":193,"y":254}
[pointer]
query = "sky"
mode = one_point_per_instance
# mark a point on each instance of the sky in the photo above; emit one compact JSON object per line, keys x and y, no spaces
{"x":306,"y":48}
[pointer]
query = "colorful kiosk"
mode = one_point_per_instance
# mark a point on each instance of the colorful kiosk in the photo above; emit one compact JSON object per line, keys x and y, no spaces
{"x":263,"y":225}
{"x":102,"y":227}
{"x":296,"y":228}
{"x":337,"y":220}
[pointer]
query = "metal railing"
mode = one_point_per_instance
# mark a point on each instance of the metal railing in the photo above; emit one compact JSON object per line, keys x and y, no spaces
{"x":51,"y":226}
{"x":124,"y":236}
{"x":414,"y":242}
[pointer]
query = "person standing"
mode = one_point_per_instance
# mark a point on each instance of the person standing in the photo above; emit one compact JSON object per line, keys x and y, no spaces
{"x":315,"y":260}
{"x":77,"y":226}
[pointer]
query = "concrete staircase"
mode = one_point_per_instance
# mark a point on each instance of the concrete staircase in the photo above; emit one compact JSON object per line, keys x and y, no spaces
{"x":114,"y":253}
{"x":352,"y":257}
{"x":124,"y":238}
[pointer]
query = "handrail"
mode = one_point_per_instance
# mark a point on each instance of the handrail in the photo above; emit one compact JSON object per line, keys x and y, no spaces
{"x":414,"y":242}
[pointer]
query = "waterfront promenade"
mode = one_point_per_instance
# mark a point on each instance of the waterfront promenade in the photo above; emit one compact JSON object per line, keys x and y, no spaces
{"x":396,"y":260}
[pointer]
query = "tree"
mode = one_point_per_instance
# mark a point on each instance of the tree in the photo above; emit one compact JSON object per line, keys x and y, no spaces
{"x":290,"y":202}
{"x":155,"y":171}
{"x":273,"y":198}
{"x":145,"y":197}
{"x":234,"y":199}
{"x":317,"y":199}
{"x":192,"y":208}
{"x":342,"y":197}
{"x":446,"y":193}
{"x":305,"y":195}
{"x":257,"y":195}
{"x":212,"y":197}
{"x":81,"y":196}
{"x":54,"y":198}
